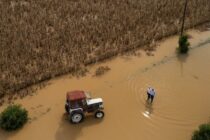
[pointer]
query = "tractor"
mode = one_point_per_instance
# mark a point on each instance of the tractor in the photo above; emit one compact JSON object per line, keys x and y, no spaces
{"x":79,"y":103}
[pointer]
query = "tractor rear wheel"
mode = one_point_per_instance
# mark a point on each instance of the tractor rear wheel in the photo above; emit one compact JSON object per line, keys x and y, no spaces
{"x":77,"y":117}
{"x":99,"y":114}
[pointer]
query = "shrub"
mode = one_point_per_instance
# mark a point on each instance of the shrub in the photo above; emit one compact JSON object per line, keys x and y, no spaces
{"x":183,"y":44}
{"x":203,"y":133}
{"x":101,"y":70}
{"x":13,"y":117}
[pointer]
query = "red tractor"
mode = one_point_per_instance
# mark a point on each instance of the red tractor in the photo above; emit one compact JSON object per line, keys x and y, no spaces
{"x":79,"y":102}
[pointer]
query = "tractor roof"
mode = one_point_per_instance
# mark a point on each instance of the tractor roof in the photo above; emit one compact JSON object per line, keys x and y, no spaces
{"x":75,"y":95}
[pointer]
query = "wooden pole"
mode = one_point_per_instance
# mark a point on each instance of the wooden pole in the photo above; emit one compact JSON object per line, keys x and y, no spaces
{"x":183,"y":20}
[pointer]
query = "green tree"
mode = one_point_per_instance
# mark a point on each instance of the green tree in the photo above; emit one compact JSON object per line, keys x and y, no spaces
{"x":203,"y":133}
{"x":13,"y":117}
{"x":183,"y":44}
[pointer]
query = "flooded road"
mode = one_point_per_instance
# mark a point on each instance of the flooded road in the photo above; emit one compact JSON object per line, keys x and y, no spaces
{"x":181,"y":104}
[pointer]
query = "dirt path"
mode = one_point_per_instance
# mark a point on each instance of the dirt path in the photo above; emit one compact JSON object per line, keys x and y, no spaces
{"x":181,"y":104}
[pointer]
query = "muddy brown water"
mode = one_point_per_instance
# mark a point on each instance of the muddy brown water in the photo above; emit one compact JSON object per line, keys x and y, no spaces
{"x":181,"y":103}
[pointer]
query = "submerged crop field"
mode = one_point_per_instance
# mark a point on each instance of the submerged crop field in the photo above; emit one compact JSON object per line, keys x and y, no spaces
{"x":40,"y":39}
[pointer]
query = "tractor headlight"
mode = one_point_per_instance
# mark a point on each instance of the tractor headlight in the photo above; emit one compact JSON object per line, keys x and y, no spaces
{"x":101,"y":106}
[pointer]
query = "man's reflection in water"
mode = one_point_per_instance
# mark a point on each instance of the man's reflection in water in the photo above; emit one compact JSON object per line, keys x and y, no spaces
{"x":148,"y":110}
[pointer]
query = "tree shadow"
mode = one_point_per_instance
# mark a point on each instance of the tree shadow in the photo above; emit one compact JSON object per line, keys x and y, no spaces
{"x":182,"y":58}
{"x":71,"y":131}
{"x":5,"y":135}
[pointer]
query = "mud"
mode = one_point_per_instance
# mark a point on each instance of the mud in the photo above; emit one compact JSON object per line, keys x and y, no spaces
{"x":181,"y":104}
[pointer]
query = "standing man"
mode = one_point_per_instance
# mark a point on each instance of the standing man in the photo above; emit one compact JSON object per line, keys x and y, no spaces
{"x":150,"y":94}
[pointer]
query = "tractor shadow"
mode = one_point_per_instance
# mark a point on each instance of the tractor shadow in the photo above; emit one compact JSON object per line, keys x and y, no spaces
{"x":67,"y":130}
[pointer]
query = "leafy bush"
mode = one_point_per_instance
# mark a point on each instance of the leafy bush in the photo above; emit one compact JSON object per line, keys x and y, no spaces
{"x":203,"y":133}
{"x":183,"y":44}
{"x":13,"y":117}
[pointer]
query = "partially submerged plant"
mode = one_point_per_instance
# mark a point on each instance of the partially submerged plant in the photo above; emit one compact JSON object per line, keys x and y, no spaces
{"x":13,"y":117}
{"x":183,"y":44}
{"x":101,"y":70}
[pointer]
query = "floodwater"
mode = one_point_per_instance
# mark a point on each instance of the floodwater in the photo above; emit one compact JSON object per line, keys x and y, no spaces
{"x":181,"y":104}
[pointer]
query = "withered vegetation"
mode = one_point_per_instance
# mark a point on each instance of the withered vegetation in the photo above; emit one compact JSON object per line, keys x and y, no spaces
{"x":101,"y":70}
{"x":40,"y":39}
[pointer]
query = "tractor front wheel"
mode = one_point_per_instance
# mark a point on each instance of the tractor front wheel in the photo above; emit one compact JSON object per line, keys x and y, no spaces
{"x":99,"y":114}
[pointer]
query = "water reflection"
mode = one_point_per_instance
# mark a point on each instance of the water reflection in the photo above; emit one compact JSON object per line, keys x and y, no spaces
{"x":182,"y":58}
{"x":148,"y":110}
